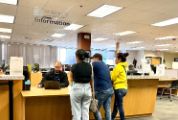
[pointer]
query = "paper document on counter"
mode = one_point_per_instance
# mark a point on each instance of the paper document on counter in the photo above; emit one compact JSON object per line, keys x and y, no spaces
{"x":16,"y":66}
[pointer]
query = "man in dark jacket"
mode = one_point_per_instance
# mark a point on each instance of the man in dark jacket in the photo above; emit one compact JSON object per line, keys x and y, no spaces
{"x":57,"y":74}
{"x":102,"y":85}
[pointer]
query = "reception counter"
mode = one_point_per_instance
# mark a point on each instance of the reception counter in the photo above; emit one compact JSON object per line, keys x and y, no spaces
{"x":10,"y":97}
{"x":41,"y":104}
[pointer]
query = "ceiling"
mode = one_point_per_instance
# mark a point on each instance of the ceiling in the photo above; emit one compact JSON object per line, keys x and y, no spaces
{"x":137,"y":15}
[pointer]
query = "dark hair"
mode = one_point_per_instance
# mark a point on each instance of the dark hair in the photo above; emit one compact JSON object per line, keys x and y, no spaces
{"x":99,"y":56}
{"x":82,"y":54}
{"x":122,"y":56}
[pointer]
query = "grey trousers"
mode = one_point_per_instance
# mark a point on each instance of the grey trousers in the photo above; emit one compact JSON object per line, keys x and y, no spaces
{"x":80,"y":97}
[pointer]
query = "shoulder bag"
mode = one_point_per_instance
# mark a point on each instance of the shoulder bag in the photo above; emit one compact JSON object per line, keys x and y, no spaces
{"x":94,"y":101}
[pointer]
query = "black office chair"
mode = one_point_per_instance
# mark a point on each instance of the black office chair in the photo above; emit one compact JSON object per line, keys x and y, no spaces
{"x":173,"y":86}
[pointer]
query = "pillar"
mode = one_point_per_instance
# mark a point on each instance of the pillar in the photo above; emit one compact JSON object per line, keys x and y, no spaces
{"x":84,"y":41}
{"x":117,"y":46}
{"x":0,"y":52}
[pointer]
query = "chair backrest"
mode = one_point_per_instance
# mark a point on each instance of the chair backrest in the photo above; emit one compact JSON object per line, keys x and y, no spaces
{"x":35,"y":78}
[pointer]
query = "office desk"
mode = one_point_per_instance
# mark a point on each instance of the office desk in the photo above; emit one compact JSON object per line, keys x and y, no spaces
{"x":166,"y":82}
{"x":41,"y":104}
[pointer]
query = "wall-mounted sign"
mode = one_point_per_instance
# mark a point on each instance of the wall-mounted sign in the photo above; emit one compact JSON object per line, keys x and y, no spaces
{"x":50,"y":20}
{"x":86,"y":37}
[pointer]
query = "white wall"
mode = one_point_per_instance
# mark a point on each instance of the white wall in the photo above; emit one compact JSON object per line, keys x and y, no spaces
{"x":154,"y":54}
{"x":169,"y":58}
{"x":138,"y":55}
{"x":132,"y":55}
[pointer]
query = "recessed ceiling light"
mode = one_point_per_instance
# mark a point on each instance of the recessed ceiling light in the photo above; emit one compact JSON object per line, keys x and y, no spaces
{"x":73,"y":27}
{"x":6,"y":18}
{"x":11,"y":2}
{"x":134,"y":42}
{"x":99,"y":39}
{"x":5,"y":36}
{"x":104,"y":11}
{"x":166,"y":38}
{"x":125,"y":33}
{"x":58,"y":35}
{"x":163,"y":49}
{"x":163,"y":45}
{"x":5,"y":30}
{"x":166,"y":22}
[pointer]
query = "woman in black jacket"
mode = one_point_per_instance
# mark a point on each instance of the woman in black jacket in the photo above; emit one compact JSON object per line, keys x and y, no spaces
{"x":80,"y":94}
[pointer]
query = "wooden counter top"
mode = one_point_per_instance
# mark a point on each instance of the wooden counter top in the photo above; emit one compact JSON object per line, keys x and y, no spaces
{"x":135,"y":77}
{"x":165,"y":78}
{"x":34,"y":92}
{"x":161,"y":78}
{"x":11,"y":77}
{"x":37,"y":92}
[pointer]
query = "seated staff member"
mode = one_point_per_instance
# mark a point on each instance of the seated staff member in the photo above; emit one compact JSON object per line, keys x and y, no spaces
{"x":1,"y":71}
{"x":119,"y":78}
{"x":56,"y":74}
{"x":80,"y":94}
{"x":102,"y":85}
{"x":132,"y":70}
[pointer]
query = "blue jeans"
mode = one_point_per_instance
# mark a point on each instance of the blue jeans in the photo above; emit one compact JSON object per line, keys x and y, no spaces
{"x":80,"y":97}
{"x":118,"y":104}
{"x":104,"y":98}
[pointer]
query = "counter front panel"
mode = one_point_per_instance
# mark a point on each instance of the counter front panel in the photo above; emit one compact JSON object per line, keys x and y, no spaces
{"x":41,"y":104}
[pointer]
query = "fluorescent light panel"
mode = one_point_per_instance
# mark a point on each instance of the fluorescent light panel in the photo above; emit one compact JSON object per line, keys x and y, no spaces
{"x":125,"y":33}
{"x":99,"y":39}
{"x":11,"y":2}
{"x":104,"y":11}
{"x":163,"y":45}
{"x":139,"y":48}
{"x":5,"y":36}
{"x":5,"y":30}
{"x":166,"y":22}
{"x":134,"y":42}
{"x":6,"y":18}
{"x":166,"y":38}
{"x":73,"y":27}
{"x":163,"y":49}
{"x":58,"y":35}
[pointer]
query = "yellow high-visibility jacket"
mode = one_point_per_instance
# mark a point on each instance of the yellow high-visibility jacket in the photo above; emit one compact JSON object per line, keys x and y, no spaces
{"x":119,"y":76}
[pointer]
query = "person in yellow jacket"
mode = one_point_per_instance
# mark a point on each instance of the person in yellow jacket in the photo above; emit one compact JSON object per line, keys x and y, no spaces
{"x":119,"y":79}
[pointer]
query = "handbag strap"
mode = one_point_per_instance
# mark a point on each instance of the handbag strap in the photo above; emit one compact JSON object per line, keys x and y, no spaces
{"x":93,"y":86}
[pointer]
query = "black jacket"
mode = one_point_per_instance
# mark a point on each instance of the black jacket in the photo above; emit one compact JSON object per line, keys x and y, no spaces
{"x":52,"y":75}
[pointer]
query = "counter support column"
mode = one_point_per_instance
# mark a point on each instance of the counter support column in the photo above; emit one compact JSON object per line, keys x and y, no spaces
{"x":11,"y":97}
{"x":11,"y":101}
